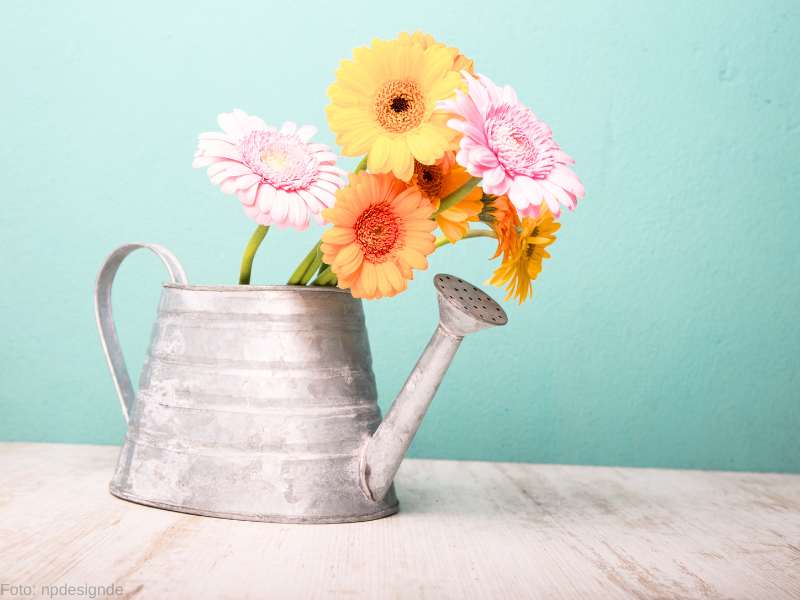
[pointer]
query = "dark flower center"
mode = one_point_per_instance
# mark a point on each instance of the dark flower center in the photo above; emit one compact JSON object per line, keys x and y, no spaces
{"x":399,"y":105}
{"x":429,"y":179}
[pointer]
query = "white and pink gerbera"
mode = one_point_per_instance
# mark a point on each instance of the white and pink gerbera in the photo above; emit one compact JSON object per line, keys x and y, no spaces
{"x":279,"y":175}
{"x":514,"y":153}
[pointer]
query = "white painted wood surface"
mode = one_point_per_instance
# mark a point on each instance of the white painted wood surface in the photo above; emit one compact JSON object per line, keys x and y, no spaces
{"x":465,"y":530}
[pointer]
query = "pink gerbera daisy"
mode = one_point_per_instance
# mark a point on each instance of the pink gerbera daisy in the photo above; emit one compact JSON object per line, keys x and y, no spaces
{"x":514,"y":153}
{"x":280,"y":176}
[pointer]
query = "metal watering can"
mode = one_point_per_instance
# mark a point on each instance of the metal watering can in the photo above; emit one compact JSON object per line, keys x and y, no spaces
{"x":259,"y":402}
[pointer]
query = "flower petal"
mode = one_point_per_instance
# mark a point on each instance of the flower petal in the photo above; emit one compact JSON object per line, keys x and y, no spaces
{"x":249,"y":196}
{"x":265,"y":197}
{"x":376,"y":161}
{"x":306,"y":132}
{"x":339,"y":235}
{"x":280,"y":207}
{"x":346,"y":254}
{"x":230,"y":125}
{"x":369,"y":279}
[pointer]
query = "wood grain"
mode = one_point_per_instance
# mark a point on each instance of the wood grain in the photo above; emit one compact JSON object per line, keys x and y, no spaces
{"x":465,"y":530}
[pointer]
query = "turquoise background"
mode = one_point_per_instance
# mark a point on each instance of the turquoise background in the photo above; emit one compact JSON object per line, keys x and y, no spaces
{"x":665,"y":329}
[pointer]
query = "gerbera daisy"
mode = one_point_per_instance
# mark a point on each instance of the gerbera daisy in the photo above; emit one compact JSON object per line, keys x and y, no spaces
{"x":523,"y":261}
{"x":439,"y":181}
{"x":381,"y":230}
{"x":511,"y":149}
{"x":383,"y":103}
{"x":280,"y":176}
{"x":502,"y":217}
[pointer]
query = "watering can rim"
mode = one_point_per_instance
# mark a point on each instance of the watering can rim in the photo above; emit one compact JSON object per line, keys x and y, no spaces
{"x":253,"y":288}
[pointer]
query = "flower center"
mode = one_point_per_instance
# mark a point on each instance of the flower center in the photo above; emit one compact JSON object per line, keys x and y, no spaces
{"x":399,"y":105}
{"x":429,"y":179}
{"x":523,"y":144}
{"x":283,"y":161}
{"x":275,"y":160}
{"x":377,"y":232}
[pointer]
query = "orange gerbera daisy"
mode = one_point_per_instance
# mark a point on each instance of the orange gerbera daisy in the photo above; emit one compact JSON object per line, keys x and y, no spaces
{"x":438,"y":181}
{"x":381,"y":230}
{"x":503,"y":218}
{"x":460,"y":62}
{"x":523,"y":262}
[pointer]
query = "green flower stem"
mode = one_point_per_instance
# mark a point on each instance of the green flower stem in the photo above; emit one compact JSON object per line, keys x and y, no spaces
{"x":304,"y":265}
{"x":474,"y":233}
{"x":326,"y":277}
{"x":250,"y":252}
{"x":362,"y":165}
{"x":322,"y":271}
{"x":314,"y":266}
{"x":458,"y":195}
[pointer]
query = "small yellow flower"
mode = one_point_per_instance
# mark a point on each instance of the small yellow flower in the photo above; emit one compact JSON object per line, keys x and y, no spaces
{"x":522,"y":263}
{"x":384,"y":104}
{"x":439,"y":181}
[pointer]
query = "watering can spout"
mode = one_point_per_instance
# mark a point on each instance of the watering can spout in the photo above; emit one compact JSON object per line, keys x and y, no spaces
{"x":463,"y":309}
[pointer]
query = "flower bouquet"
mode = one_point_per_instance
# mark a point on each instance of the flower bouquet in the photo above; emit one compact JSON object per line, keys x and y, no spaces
{"x":444,"y":149}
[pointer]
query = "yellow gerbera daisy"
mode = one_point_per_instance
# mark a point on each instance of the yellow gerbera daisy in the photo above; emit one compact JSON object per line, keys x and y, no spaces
{"x":523,"y":262}
{"x":439,"y":181}
{"x":383,"y":103}
{"x":381,"y":230}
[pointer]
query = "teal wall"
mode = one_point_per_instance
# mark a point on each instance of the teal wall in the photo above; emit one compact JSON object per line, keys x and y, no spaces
{"x":664,"y":331}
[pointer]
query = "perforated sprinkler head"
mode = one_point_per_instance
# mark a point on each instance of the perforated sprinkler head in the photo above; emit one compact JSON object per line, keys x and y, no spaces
{"x":464,"y":308}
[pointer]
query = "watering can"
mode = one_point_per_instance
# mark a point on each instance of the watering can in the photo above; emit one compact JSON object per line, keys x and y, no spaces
{"x":259,"y":402}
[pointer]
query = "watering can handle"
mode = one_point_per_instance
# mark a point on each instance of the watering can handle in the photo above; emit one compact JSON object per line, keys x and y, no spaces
{"x":105,"y":319}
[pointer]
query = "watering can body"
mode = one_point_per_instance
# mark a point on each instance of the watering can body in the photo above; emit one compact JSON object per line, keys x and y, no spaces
{"x":257,"y":403}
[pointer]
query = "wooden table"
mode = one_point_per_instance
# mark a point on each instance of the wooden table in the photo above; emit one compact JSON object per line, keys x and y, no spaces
{"x":465,"y":530}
